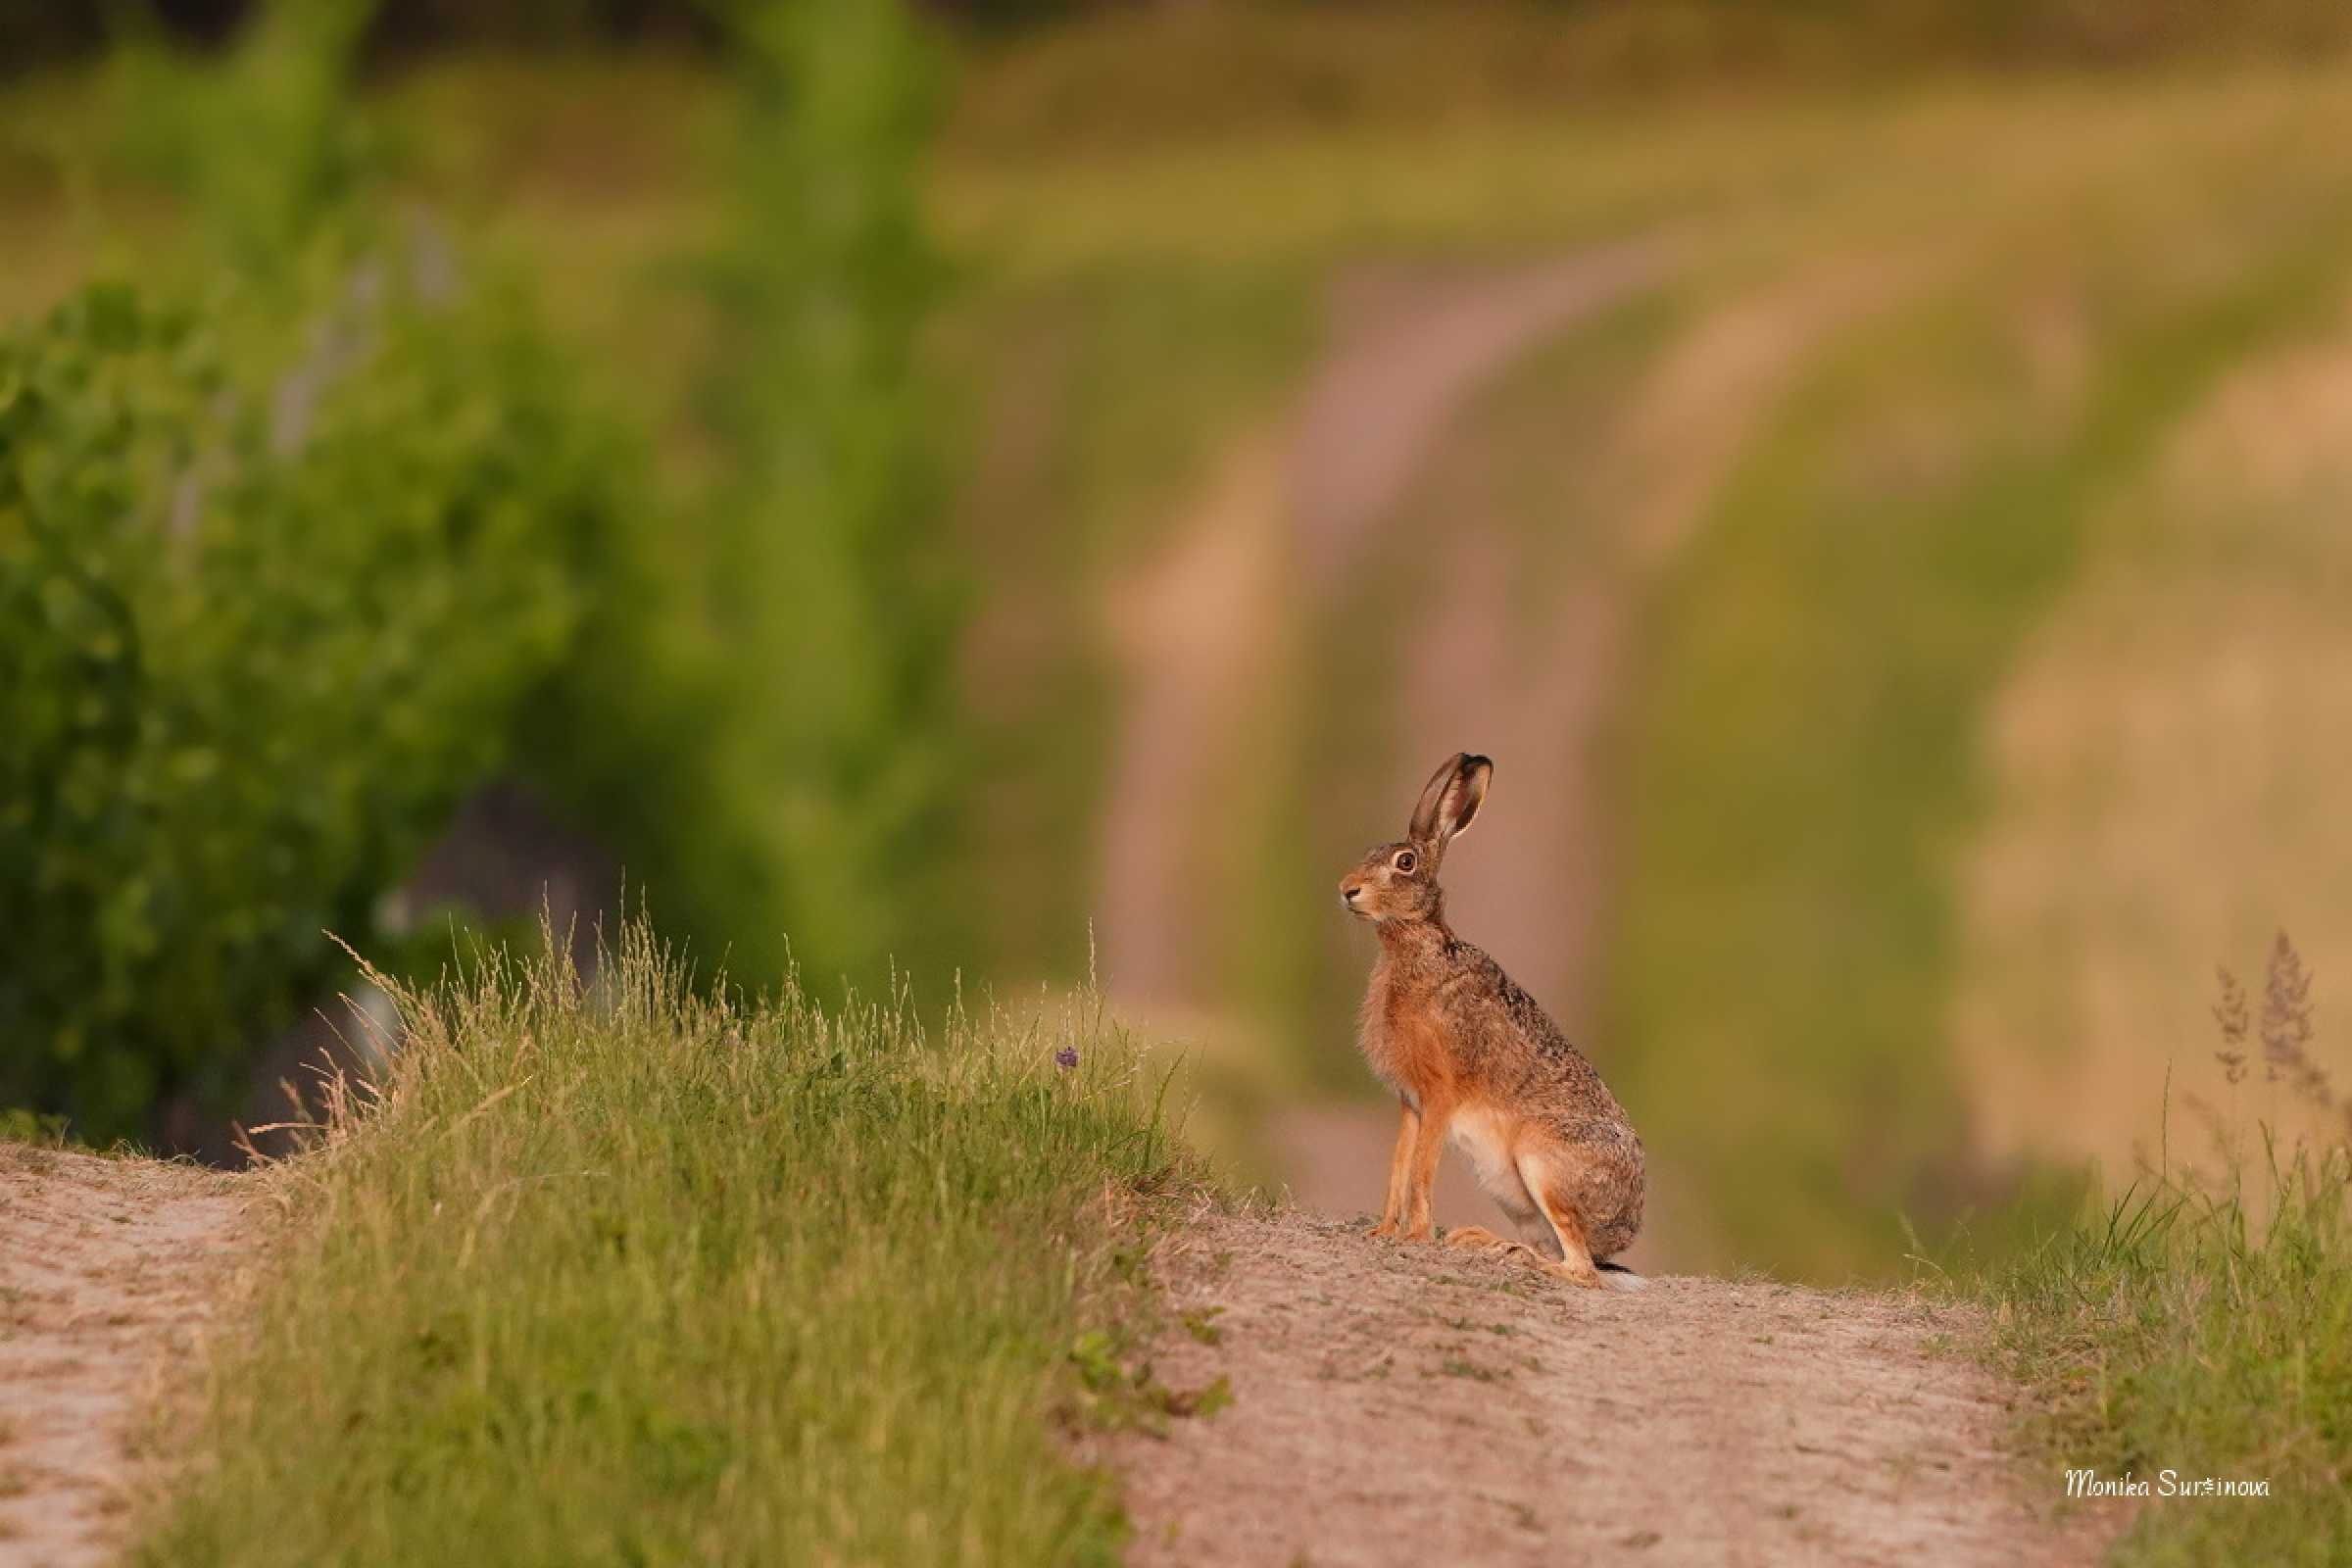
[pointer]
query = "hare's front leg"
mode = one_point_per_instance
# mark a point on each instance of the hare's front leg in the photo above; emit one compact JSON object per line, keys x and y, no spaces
{"x":1428,"y":1143}
{"x":1401,"y":1164}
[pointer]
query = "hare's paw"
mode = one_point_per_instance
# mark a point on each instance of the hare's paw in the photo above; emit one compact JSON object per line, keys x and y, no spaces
{"x":1586,"y":1278}
{"x":1474,"y":1236}
{"x":1486,"y":1241}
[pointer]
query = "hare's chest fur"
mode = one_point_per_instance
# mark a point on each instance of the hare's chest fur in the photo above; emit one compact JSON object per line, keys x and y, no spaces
{"x":1403,"y":1038}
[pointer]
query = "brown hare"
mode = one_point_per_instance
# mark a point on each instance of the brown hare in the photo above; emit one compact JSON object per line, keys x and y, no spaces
{"x":1471,"y":1054}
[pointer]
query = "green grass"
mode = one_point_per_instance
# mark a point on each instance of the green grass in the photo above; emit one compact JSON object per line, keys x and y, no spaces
{"x":631,"y":1275}
{"x":2201,"y":1323}
{"x":2206,"y":1330}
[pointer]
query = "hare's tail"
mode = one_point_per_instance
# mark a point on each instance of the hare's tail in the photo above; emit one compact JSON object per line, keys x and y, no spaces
{"x":1617,"y":1277}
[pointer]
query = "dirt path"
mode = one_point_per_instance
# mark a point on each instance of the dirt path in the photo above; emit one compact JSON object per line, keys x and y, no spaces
{"x":109,"y":1268}
{"x":1413,"y":350}
{"x":1193,"y":630}
{"x":1410,"y":1405}
{"x":1547,"y":699}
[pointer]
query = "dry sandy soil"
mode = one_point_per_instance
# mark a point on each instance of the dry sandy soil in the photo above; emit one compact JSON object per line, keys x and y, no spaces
{"x":108,"y":1269}
{"x":1413,"y":1405}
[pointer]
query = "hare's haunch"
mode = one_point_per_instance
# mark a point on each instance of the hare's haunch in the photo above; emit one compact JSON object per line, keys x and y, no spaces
{"x":1470,"y":1055}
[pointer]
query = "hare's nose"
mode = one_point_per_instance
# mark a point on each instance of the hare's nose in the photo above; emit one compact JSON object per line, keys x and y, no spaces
{"x":1348,"y":891}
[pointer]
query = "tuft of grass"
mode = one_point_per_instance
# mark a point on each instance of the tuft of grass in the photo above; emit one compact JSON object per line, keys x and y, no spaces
{"x":18,"y":1125}
{"x":636,"y":1272}
{"x":1202,"y":1325}
{"x":2201,"y":1323}
{"x":1461,"y":1366}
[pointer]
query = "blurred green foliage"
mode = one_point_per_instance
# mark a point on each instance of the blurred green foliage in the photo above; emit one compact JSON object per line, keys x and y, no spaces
{"x":257,"y":634}
{"x":262,"y":140}
{"x":757,"y":717}
{"x":281,"y":554}
{"x":297,"y":552}
{"x":831,"y":592}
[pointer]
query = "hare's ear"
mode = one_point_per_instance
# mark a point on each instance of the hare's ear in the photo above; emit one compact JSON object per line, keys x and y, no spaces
{"x":1455,"y":792}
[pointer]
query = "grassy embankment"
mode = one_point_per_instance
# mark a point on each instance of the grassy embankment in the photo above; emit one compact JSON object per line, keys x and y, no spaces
{"x":2202,"y":1333}
{"x":2201,"y":1323}
{"x":625,"y":1275}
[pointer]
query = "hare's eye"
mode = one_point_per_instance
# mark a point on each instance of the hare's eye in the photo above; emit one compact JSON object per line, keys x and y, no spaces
{"x":1406,"y":859}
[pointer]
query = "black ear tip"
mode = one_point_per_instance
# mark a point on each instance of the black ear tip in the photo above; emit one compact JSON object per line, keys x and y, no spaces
{"x":1471,"y":762}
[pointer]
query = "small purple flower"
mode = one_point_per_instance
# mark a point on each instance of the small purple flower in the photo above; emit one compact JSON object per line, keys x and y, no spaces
{"x":1066,"y":1059}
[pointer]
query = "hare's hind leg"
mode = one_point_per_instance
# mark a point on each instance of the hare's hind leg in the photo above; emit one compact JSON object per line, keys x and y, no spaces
{"x":1486,"y":1140}
{"x":1549,"y":1170}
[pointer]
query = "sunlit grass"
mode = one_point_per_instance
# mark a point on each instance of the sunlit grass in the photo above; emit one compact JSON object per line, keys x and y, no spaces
{"x":2201,"y":1323}
{"x":631,"y":1273}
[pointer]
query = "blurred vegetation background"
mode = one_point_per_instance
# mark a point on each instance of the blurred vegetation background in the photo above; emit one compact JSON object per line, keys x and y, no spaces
{"x":1004,"y":491}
